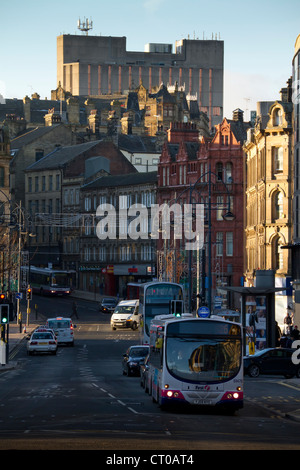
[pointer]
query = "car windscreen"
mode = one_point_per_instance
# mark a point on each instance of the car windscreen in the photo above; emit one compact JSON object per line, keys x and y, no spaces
{"x":42,"y":336}
{"x":124,"y":309}
{"x":138,"y":352}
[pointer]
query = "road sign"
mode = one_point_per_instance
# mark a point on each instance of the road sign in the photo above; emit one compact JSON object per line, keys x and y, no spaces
{"x":203,"y":312}
{"x":19,"y":295}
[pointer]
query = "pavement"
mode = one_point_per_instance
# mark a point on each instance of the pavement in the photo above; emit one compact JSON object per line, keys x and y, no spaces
{"x":15,"y":338}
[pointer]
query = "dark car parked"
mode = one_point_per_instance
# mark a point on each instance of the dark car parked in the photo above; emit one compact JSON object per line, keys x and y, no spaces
{"x":132,"y":359}
{"x":272,"y":361}
{"x":108,"y":305}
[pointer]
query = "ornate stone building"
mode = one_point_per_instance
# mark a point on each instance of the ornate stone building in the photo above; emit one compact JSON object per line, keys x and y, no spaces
{"x":269,"y":189}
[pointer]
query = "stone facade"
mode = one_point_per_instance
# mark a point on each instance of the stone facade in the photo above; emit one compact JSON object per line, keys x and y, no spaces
{"x":30,"y":147}
{"x":269,"y":190}
{"x":52,"y":190}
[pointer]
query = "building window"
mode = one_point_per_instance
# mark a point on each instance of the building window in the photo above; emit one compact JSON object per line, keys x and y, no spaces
{"x":66,"y":196}
{"x":30,"y":184}
{"x":220,"y":207}
{"x":87,"y":253}
{"x":229,"y":244}
{"x":2,"y":177}
{"x":216,"y":111}
{"x":87,"y":203}
{"x":36,"y":184}
{"x":277,"y":117}
{"x":228,"y":173}
{"x":278,"y":253}
{"x":277,"y":153}
{"x":278,"y":205}
{"x":219,"y":171}
{"x":219,"y":241}
{"x":39,"y":153}
{"x":102,"y":253}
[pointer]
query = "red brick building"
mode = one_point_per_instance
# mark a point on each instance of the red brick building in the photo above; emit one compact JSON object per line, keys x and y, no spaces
{"x":190,"y":170}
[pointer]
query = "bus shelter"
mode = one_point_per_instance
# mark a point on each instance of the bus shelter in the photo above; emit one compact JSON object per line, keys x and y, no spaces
{"x":262,"y":306}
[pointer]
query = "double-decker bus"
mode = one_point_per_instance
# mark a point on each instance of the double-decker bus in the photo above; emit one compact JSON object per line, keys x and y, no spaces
{"x":196,"y":361}
{"x":158,"y":298}
{"x":46,"y":281}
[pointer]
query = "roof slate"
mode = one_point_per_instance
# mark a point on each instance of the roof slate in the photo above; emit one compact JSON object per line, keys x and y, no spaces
{"x":122,"y":180}
{"x":62,"y":155}
{"x":30,"y":135}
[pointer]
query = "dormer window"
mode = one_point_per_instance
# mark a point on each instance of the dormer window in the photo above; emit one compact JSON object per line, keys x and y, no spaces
{"x":277,"y":117}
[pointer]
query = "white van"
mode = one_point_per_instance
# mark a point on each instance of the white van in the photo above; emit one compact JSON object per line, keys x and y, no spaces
{"x":126,"y":315}
{"x":63,"y":329}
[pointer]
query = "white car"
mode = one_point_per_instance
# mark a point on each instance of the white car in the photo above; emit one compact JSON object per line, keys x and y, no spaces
{"x":63,"y":329}
{"x":42,"y":341}
{"x":126,"y":315}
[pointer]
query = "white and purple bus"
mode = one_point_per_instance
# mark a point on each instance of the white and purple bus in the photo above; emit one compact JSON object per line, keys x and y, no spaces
{"x":196,"y":361}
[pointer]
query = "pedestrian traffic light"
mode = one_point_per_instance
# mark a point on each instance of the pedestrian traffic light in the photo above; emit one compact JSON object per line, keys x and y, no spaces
{"x":4,"y":315}
{"x":29,"y":293}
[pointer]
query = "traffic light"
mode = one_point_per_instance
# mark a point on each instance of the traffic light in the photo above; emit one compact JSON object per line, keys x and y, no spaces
{"x":177,"y":308}
{"x":29,"y":293}
{"x":4,"y":309}
{"x":2,"y":297}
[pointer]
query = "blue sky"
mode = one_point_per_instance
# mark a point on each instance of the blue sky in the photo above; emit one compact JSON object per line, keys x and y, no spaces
{"x":259,"y":38}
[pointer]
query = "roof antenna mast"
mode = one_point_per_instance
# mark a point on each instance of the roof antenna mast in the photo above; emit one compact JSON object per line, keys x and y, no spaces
{"x":85,"y":26}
